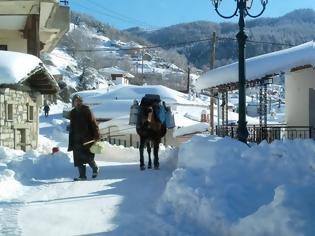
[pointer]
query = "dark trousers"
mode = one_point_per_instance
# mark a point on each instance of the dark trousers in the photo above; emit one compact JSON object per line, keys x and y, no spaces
{"x":82,"y":168}
{"x":83,"y":156}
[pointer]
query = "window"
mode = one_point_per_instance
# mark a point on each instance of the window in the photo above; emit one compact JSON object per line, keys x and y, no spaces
{"x":3,"y":47}
{"x":9,"y":112}
{"x":30,"y":113}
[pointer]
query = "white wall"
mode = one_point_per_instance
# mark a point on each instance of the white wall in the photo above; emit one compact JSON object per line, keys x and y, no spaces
{"x":121,"y":80}
{"x":297,"y":86}
{"x":14,"y":40}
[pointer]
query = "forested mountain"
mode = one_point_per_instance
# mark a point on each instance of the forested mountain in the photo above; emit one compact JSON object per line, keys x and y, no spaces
{"x":291,"y":29}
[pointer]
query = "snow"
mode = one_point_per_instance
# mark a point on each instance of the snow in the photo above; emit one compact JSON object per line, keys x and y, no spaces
{"x":112,"y":109}
{"x":131,"y":92}
{"x":207,"y":186}
{"x":121,"y":97}
{"x":231,"y":189}
{"x":111,"y":70}
{"x":261,"y":66}
{"x":115,"y":103}
{"x":195,"y":128}
{"x":61,"y":63}
{"x":15,"y":66}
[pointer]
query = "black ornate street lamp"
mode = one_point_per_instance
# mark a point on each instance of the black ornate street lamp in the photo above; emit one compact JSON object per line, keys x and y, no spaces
{"x":242,"y":8}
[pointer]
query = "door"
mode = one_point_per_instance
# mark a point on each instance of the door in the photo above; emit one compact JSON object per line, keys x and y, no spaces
{"x":312,"y":110}
{"x":20,"y":139}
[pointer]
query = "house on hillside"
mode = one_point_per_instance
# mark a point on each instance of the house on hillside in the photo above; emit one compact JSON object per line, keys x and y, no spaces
{"x":147,"y":57}
{"x":24,"y":79}
{"x":297,"y":64}
{"x":116,"y":75}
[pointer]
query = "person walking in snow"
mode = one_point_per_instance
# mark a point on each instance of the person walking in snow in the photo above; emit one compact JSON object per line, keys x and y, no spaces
{"x":46,"y":110}
{"x":83,"y":133}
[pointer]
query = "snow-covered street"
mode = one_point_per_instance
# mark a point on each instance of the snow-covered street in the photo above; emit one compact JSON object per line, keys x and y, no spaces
{"x":106,"y":204}
{"x":46,"y":196}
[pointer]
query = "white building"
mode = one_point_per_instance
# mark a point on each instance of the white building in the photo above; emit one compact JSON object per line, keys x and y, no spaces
{"x":298,"y":64}
{"x":116,"y":75}
{"x":32,"y":26}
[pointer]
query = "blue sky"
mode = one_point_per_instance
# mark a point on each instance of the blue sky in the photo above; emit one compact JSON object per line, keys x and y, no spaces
{"x":152,"y":14}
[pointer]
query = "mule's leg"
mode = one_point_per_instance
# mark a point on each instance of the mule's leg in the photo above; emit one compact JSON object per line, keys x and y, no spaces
{"x":149,"y":155}
{"x":156,"y":144}
{"x":141,"y":148}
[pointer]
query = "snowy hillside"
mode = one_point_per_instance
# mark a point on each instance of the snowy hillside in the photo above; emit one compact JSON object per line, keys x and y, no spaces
{"x":87,"y":70}
{"x":86,"y":54}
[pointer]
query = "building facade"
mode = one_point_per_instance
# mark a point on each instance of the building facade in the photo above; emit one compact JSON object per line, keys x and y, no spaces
{"x":27,"y":27}
{"x":21,"y":98}
{"x":32,"y":26}
{"x":19,"y":112}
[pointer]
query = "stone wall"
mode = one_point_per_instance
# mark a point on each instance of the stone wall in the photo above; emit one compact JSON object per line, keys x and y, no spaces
{"x":19,"y":119}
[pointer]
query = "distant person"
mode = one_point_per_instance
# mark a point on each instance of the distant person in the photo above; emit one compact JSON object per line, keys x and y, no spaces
{"x":46,"y":110}
{"x":83,"y":133}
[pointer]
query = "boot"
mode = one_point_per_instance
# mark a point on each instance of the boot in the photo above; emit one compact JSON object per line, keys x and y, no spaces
{"x":80,"y":179}
{"x":82,"y":174}
{"x":95,"y":169}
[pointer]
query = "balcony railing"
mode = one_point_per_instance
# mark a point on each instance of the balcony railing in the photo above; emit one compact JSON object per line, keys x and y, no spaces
{"x":269,"y":133}
{"x":64,"y":2}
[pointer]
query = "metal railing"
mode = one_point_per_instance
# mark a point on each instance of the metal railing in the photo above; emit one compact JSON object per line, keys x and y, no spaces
{"x":268,"y":133}
{"x":64,"y":2}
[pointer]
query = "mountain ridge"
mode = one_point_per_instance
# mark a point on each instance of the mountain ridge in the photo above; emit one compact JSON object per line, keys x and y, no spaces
{"x":293,"y":28}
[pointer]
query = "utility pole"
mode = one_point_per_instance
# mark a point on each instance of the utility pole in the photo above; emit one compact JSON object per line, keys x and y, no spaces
{"x":142,"y":64}
{"x":188,"y":80}
{"x":212,"y":59}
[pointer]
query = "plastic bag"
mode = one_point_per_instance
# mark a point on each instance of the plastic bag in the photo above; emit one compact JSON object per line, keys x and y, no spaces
{"x":169,"y":119}
{"x":98,"y":148}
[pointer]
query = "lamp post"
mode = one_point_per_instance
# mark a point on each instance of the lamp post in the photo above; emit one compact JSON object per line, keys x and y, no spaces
{"x":242,"y":8}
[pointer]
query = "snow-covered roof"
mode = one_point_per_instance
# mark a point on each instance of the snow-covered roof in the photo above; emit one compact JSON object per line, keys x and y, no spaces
{"x":131,"y":92}
{"x":16,"y":68}
{"x":115,"y":71}
{"x":261,"y":66}
{"x":111,"y":70}
{"x":110,"y":109}
{"x":191,"y":129}
{"x":113,"y":103}
{"x":131,"y":45}
{"x":128,"y":75}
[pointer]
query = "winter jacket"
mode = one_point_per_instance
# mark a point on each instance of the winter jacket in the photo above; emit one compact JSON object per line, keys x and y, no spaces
{"x":46,"y":108}
{"x":83,"y":127}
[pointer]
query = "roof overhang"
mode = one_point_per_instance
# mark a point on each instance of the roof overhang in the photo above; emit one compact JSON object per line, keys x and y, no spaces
{"x":42,"y":81}
{"x":287,"y":60}
{"x":25,"y":70}
{"x":53,"y":19}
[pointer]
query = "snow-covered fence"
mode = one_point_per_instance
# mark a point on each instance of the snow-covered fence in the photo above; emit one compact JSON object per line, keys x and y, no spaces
{"x":269,"y":133}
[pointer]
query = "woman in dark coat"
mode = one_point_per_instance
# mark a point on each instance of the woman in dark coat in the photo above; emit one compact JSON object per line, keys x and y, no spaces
{"x":83,"y":133}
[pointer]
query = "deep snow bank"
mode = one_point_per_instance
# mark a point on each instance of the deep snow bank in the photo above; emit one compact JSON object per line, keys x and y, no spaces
{"x":223,"y":187}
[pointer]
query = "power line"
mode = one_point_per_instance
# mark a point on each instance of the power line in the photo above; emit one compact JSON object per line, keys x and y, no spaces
{"x":113,"y":15}
{"x":258,"y":42}
{"x":128,"y":18}
{"x":173,"y":45}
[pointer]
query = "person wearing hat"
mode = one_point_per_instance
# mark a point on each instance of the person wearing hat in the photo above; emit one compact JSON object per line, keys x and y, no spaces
{"x":83,"y":133}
